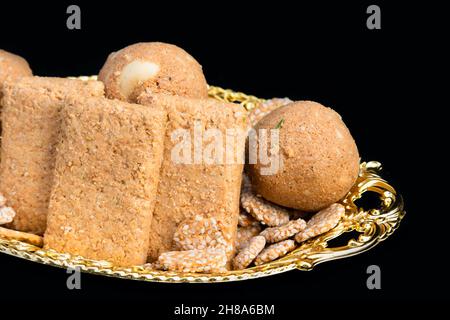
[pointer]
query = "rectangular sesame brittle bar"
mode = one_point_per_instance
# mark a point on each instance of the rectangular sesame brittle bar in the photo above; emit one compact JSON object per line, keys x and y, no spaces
{"x":106,"y":178}
{"x":31,"y":127}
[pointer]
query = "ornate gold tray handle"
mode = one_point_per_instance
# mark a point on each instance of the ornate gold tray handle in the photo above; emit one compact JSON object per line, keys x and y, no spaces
{"x":373,"y":225}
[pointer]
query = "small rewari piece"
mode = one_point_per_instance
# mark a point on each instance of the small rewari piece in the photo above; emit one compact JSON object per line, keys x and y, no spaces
{"x":21,"y":236}
{"x":249,"y":253}
{"x":31,"y":126}
{"x":246,"y":220}
{"x":266,"y":107}
{"x":159,"y":67}
{"x":262,"y":210}
{"x":105,"y":181}
{"x":322,"y":222}
{"x":2,"y":200}
{"x":195,"y":182}
{"x":201,"y":232}
{"x":244,"y":234}
{"x":277,"y":234}
{"x":205,"y":261}
{"x":275,"y":251}
{"x":246,"y":185}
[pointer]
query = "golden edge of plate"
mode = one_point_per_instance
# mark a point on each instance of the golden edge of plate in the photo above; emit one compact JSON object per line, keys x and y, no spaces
{"x":372,"y":226}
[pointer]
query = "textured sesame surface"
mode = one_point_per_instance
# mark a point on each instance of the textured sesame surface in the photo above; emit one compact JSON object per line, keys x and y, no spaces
{"x":7,"y":215}
{"x":186,"y":190}
{"x":21,"y":236}
{"x":245,"y":257}
{"x":322,"y":222}
{"x":106,"y":176}
{"x":263,"y":210}
{"x":201,"y":232}
{"x":31,"y":126}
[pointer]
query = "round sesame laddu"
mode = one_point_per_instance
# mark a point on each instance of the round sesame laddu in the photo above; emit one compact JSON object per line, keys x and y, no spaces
{"x":244,"y":234}
{"x":201,"y":232}
{"x":153,"y":67}
{"x":275,"y":251}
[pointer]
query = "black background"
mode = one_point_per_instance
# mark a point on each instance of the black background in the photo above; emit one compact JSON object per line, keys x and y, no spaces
{"x":374,"y":78}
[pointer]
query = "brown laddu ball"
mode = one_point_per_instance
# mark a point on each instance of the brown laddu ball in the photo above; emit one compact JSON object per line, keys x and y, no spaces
{"x":155,"y":66}
{"x":319,"y":160}
{"x":12,"y":67}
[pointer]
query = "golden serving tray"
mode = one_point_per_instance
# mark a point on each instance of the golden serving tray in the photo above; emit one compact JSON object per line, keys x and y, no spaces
{"x":368,"y":226}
